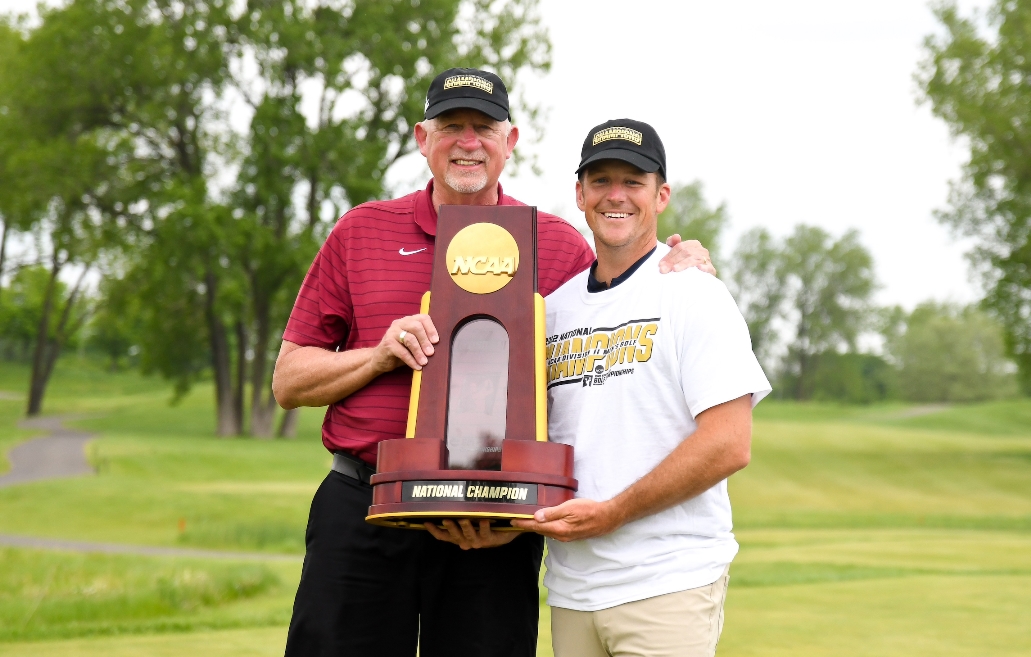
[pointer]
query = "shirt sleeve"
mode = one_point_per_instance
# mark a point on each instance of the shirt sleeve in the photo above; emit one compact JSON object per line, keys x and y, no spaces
{"x":322,"y":313}
{"x":562,"y":253}
{"x":717,"y":364}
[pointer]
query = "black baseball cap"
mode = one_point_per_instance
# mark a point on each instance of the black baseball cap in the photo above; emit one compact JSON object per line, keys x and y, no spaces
{"x":467,"y":88}
{"x":631,"y":141}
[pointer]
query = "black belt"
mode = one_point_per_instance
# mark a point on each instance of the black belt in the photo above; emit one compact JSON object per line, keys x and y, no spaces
{"x":353,"y":467}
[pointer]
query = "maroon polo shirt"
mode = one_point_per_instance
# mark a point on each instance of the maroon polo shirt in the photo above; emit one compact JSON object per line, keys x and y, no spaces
{"x":374,"y":268}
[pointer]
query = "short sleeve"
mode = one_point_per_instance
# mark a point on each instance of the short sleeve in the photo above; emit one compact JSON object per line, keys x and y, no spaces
{"x":562,"y":253}
{"x":322,"y":313}
{"x":716,"y":361}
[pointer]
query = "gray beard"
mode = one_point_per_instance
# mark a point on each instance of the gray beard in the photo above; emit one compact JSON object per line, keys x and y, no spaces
{"x":464,"y":185}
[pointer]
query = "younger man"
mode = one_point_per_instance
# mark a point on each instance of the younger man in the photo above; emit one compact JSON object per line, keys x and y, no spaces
{"x":653,"y":380}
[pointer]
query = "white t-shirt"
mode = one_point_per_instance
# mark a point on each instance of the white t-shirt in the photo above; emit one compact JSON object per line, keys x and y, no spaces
{"x":628,"y":371}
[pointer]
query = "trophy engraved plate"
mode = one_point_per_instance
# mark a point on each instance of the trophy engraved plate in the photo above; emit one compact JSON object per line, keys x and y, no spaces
{"x":472,"y":491}
{"x":476,"y":444}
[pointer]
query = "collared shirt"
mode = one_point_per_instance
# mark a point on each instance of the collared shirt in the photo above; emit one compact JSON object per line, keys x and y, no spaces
{"x":374,"y":268}
{"x":594,"y":285}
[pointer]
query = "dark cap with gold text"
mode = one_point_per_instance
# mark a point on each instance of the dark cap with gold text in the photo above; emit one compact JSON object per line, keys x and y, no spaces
{"x":467,"y":88}
{"x":631,"y":141}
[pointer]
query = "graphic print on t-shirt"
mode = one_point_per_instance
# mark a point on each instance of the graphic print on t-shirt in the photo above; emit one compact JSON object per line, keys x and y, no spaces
{"x":589,"y":356}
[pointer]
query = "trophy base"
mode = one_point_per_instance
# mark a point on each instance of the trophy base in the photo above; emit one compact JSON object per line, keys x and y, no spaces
{"x":417,"y":490}
{"x":409,"y":499}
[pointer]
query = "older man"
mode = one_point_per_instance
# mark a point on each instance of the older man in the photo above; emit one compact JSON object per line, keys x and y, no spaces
{"x":352,"y":341}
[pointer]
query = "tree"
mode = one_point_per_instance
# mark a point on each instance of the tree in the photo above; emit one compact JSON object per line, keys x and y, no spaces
{"x":830,"y":284}
{"x":951,"y":354}
{"x":976,"y":80}
{"x":115,"y":329}
{"x":758,"y":281}
{"x":10,"y":40}
{"x":219,"y":226}
{"x":56,"y":176}
{"x":689,"y":215}
{"x":814,"y":289}
{"x":20,"y":309}
{"x":371,"y":66}
{"x":850,"y":377}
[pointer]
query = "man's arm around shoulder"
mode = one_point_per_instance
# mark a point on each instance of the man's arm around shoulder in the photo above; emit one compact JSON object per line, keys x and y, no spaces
{"x":717,"y":449}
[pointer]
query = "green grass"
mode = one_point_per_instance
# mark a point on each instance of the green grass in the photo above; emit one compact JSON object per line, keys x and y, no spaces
{"x":47,"y":594}
{"x":249,"y":642}
{"x":163,"y":479}
{"x":865,"y":530}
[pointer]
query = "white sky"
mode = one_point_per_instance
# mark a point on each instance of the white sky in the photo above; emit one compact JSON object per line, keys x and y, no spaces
{"x":792,"y":111}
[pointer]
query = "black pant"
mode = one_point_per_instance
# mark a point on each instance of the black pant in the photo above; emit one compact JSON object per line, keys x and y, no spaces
{"x":368,"y":590}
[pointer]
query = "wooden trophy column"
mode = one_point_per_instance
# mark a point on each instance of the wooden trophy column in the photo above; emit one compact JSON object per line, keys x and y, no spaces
{"x":476,"y":443}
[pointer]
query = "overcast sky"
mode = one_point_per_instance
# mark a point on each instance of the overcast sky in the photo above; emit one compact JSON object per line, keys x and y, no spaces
{"x":792,"y":111}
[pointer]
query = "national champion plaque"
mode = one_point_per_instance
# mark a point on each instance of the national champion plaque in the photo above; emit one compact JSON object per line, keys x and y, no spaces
{"x":476,"y":445}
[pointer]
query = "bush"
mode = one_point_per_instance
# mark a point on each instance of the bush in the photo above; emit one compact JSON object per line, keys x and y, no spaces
{"x":952,"y":354}
{"x":850,"y":377}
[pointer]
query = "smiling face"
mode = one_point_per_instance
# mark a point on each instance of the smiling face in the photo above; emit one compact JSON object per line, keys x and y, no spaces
{"x":622,"y":205}
{"x":466,"y":151}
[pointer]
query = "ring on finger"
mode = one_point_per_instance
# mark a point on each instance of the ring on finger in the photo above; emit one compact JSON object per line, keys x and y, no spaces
{"x":401,"y":336}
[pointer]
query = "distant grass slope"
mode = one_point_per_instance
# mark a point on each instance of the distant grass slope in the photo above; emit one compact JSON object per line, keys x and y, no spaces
{"x":850,"y":474}
{"x":1009,"y":417}
{"x":872,"y":531}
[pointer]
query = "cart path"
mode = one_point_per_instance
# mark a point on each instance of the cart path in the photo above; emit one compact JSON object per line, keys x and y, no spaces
{"x":59,"y":453}
{"x":13,"y":540}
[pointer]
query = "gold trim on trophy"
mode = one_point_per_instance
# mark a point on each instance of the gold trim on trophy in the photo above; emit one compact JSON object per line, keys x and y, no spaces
{"x":413,"y":402}
{"x":540,"y":366}
{"x":383,"y":519}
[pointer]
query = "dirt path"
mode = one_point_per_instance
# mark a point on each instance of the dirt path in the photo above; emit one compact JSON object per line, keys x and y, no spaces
{"x":58,"y":454}
{"x":62,"y":453}
{"x":12,"y":540}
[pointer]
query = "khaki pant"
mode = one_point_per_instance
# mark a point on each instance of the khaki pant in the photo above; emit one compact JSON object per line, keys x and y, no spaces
{"x":684,"y":624}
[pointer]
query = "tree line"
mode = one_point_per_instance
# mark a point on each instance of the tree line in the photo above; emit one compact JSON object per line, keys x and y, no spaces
{"x":168,"y":169}
{"x":119,"y":156}
{"x":808,"y":302}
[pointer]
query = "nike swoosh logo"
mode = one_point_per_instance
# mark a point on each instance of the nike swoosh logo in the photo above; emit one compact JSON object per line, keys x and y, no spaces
{"x":403,"y":252}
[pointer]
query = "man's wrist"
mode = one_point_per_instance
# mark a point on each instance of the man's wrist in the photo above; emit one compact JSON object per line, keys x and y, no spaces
{"x":374,"y":365}
{"x":613,"y":513}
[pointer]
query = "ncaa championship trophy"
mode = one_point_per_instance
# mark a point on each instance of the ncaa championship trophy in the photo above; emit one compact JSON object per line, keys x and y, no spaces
{"x":476,"y":445}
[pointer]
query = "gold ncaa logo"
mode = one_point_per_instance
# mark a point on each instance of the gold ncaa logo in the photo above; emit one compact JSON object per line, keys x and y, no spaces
{"x":482,"y":258}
